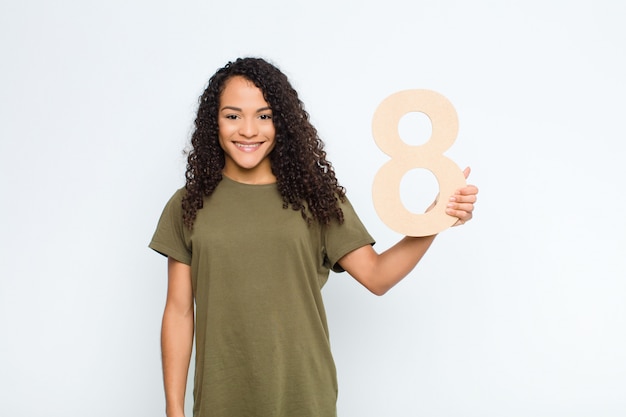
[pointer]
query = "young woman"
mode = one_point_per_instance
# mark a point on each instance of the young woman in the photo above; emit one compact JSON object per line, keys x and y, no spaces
{"x":250,"y":241}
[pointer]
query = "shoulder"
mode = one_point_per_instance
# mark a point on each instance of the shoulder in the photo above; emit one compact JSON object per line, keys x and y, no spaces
{"x":174,"y":203}
{"x":178,"y":195}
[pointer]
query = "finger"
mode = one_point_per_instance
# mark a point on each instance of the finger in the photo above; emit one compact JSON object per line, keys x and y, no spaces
{"x":458,"y":223}
{"x":463,"y":216}
{"x":459,"y":198}
{"x":467,"y":171}
{"x":460,"y":207}
{"x":467,"y":190}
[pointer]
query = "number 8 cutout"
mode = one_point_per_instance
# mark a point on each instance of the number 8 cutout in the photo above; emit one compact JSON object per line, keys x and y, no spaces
{"x":405,"y":157}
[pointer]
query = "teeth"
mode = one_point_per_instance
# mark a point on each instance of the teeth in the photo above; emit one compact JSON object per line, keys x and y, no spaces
{"x":247,"y":146}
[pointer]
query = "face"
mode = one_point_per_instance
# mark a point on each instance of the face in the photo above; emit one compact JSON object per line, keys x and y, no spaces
{"x":246,"y":132}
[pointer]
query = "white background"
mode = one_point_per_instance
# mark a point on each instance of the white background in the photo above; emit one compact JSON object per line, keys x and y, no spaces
{"x":522,"y":312}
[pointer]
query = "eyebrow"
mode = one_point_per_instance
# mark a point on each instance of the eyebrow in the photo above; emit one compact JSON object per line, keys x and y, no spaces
{"x":262,"y":109}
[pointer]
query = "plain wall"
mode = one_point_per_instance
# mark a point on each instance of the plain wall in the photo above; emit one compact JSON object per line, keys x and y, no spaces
{"x":521,"y":312}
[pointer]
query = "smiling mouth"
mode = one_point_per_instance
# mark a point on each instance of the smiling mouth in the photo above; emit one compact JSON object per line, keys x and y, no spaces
{"x":247,"y":146}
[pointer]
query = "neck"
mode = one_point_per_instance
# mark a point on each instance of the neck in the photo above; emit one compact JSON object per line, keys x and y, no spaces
{"x":251,"y":179}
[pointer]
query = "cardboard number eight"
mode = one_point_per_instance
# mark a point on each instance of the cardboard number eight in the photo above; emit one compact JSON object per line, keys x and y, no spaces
{"x":405,"y":157}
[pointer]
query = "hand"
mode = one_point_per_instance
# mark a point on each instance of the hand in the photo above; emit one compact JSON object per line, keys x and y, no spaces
{"x":461,"y":204}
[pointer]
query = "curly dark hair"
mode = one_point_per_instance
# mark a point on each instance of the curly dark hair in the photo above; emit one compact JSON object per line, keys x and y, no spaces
{"x":305,"y":179}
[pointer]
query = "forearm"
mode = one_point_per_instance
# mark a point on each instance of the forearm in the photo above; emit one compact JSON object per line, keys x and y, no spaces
{"x":176,"y":345}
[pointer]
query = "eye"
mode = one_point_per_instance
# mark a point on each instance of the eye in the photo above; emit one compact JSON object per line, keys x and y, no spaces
{"x":265,"y":117}
{"x":231,"y":116}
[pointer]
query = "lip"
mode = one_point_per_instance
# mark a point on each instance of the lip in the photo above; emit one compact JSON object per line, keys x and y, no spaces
{"x":248,"y":146}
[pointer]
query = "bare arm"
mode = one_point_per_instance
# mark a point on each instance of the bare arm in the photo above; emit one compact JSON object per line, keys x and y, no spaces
{"x":380,"y":272}
{"x":177,"y":336}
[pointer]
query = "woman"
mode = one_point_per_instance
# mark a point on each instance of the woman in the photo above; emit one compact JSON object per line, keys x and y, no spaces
{"x":251,"y":239}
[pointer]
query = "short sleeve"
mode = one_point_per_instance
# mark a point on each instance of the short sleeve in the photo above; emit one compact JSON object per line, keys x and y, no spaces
{"x":171,"y":237}
{"x":341,"y":239}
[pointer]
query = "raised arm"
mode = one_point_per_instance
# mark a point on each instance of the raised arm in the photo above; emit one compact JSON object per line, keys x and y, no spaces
{"x":380,"y":272}
{"x":177,"y":336}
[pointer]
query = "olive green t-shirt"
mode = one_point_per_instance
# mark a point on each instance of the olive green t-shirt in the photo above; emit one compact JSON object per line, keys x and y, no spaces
{"x":262,"y":346}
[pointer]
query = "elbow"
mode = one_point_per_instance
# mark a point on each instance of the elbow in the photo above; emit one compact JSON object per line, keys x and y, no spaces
{"x":378,"y":290}
{"x":375,"y":285}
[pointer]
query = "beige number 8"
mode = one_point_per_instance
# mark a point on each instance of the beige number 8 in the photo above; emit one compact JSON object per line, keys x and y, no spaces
{"x":404,"y":157}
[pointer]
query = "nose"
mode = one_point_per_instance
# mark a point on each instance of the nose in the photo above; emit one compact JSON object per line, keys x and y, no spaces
{"x":248,"y":128}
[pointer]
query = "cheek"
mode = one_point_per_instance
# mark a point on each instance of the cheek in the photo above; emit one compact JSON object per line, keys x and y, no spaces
{"x":271,"y":132}
{"x":222,"y":130}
